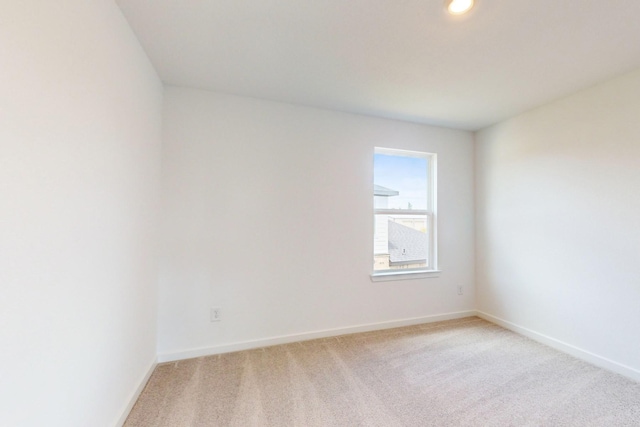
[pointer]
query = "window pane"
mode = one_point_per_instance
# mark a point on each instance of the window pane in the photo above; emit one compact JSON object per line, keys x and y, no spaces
{"x":400,"y":242}
{"x":400,"y":182}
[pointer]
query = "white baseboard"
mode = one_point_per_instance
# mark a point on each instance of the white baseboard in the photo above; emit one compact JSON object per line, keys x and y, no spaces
{"x":285,"y":339}
{"x":136,"y":393}
{"x":574,"y":351}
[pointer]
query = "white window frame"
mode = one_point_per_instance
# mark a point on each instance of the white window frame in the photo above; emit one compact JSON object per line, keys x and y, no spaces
{"x":431,"y":269}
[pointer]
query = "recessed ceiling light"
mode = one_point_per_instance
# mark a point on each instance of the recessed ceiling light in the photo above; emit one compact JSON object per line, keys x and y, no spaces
{"x":458,"y":7}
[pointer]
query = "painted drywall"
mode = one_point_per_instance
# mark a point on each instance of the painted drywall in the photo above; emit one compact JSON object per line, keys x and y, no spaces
{"x":558,"y":237}
{"x":80,"y":124}
{"x":268,"y":215}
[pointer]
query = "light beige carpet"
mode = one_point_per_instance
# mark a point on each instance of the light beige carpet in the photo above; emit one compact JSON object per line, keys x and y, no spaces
{"x":465,"y":372}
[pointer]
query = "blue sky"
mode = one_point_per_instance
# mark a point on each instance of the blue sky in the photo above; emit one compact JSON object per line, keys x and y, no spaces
{"x":404,"y":174}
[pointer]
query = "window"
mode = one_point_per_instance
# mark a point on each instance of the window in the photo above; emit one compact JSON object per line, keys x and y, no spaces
{"x":404,"y":199}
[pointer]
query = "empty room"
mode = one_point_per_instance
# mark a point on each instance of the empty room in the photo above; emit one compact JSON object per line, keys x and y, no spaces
{"x":319,"y":213}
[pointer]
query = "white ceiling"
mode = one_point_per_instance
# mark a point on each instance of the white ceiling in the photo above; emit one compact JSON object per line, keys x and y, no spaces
{"x":403,"y":59}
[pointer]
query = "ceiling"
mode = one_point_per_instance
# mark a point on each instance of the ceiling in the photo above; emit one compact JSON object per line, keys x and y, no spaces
{"x":401,"y":59}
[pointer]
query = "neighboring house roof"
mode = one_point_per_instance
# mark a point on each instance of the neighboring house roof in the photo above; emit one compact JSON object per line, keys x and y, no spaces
{"x":379,"y":190}
{"x":406,"y":245}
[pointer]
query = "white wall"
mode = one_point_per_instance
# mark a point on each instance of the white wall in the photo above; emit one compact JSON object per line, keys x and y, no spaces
{"x":558,"y":211}
{"x":268,"y":214}
{"x":80,"y":123}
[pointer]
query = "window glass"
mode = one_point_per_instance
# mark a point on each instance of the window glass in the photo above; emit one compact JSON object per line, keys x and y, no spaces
{"x":405,"y":176}
{"x":403,"y":216}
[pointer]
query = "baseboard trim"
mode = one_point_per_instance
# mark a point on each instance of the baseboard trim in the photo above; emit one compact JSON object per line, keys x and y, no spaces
{"x":564,"y":347}
{"x":305,"y":336}
{"x":136,"y":393}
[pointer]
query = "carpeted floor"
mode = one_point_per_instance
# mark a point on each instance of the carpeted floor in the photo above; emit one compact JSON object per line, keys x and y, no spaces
{"x":465,"y":372}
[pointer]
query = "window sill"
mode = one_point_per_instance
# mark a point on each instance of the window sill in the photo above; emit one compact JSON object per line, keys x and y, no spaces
{"x":387,"y":277}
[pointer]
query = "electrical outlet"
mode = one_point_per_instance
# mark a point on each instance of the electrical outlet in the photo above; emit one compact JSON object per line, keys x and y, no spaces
{"x":216,"y":314}
{"x":460,"y":290}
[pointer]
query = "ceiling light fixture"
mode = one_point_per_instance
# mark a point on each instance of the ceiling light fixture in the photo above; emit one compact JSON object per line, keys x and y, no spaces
{"x":458,"y":7}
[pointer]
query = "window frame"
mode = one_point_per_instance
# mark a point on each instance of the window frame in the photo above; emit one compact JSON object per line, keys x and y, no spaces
{"x":431,"y":269}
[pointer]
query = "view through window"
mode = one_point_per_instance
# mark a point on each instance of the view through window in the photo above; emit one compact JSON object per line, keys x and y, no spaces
{"x":404,"y":202}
